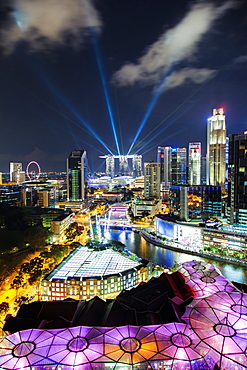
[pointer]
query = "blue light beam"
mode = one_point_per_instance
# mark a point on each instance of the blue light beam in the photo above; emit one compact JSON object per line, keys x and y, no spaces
{"x":152,"y":104}
{"x":104,"y":85}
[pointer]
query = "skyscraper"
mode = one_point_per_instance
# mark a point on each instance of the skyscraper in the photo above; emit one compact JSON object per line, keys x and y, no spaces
{"x":178,"y":166}
{"x":152,"y":180}
{"x":164,"y":158}
{"x":194,"y":164}
{"x":15,"y":172}
{"x":216,"y":148}
{"x":137,"y":165}
{"x":77,"y":175}
{"x":123,"y":165}
{"x":110,"y":166}
{"x":237,"y":178}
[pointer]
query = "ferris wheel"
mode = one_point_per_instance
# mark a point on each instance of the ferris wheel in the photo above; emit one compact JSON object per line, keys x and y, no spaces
{"x":33,"y":170}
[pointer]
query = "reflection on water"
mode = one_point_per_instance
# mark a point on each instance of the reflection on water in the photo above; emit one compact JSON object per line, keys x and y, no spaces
{"x":165,"y":257}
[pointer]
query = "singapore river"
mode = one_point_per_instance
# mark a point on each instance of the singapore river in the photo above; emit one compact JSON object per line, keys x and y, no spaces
{"x":165,"y":257}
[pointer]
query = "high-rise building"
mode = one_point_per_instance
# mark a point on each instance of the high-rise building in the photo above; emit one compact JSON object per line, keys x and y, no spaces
{"x":110,"y":165}
{"x":216,"y":149}
{"x":123,"y":165}
{"x":178,"y":166}
{"x":152,"y":180}
{"x":15,"y":172}
{"x":194,"y":163}
{"x":137,"y":165}
{"x":77,"y":175}
{"x":203,"y":170}
{"x":237,"y":178}
{"x":164,"y":158}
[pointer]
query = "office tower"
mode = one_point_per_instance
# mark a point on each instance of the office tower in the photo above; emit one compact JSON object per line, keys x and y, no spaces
{"x":15,"y":172}
{"x":216,"y":149}
{"x":203,"y":170}
{"x":237,"y":178}
{"x":110,"y":165}
{"x":77,"y":175}
{"x":194,"y":163}
{"x":137,"y":165}
{"x":160,"y":160}
{"x":164,"y":158}
{"x":152,"y":180}
{"x":178,"y":166}
{"x":123,"y":165}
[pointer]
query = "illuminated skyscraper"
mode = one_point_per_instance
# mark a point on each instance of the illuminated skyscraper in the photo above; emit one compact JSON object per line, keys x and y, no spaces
{"x":152,"y":180}
{"x":178,"y":166}
{"x":237,"y":180}
{"x":164,"y":158}
{"x":194,"y":164}
{"x":137,"y":165}
{"x":123,"y":165}
{"x":110,"y":166}
{"x":77,"y":175}
{"x":15,"y":172}
{"x":216,"y":149}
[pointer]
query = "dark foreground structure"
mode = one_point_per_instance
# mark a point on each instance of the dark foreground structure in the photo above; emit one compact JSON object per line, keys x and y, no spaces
{"x":191,"y":319}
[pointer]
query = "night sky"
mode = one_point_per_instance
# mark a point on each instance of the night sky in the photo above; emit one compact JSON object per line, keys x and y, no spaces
{"x":117,"y":76}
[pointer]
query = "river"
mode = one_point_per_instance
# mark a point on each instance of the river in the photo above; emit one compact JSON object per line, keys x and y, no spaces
{"x":165,"y":257}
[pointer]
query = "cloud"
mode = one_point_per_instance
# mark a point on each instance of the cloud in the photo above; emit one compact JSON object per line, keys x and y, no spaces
{"x":173,"y":46}
{"x":45,"y":23}
{"x":196,"y":75}
{"x":241,"y":59}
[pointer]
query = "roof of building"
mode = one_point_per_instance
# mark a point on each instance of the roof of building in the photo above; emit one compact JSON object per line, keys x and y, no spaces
{"x":86,"y":262}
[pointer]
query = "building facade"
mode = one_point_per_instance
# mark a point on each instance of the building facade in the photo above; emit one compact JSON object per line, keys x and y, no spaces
{"x":178,"y":166}
{"x":194,"y":163}
{"x":152,"y":180}
{"x":137,"y":165}
{"x":216,"y":149}
{"x":237,"y":179}
{"x":77,"y":175}
{"x":110,"y":166}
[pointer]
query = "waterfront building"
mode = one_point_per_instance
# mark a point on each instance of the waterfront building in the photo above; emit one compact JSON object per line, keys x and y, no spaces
{"x":195,"y":202}
{"x":216,"y":149}
{"x":123,"y":165}
{"x":145,"y":207}
{"x":77,"y":175}
{"x":152,"y":180}
{"x":194,"y":163}
{"x":89,"y":271}
{"x":237,"y":184}
{"x":137,"y":165}
{"x":178,"y":166}
{"x":110,"y":165}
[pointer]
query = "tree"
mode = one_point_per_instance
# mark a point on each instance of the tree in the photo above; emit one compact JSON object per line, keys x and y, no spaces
{"x":36,"y":236}
{"x":4,"y":306}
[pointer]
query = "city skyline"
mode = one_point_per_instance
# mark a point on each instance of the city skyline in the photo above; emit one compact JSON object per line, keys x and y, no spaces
{"x":117,"y":77}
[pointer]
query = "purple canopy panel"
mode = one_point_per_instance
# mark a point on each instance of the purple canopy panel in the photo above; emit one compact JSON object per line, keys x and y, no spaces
{"x":131,"y":344}
{"x":24,"y":349}
{"x":198,"y":269}
{"x":178,"y":342}
{"x":207,"y":285}
{"x":77,"y":346}
{"x":224,"y":331}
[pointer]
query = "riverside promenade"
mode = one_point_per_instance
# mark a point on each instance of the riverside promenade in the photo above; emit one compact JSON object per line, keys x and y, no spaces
{"x":192,"y":250}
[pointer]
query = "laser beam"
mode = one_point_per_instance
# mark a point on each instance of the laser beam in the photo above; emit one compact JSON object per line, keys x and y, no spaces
{"x":104,"y":85}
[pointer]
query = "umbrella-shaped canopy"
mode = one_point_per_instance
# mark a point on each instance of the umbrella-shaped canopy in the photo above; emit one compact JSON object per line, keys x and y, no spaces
{"x":206,"y":285}
{"x":24,"y":349}
{"x":194,"y":269}
{"x":220,"y":321}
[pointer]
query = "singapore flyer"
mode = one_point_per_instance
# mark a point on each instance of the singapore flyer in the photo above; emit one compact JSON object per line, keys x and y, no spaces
{"x":33,"y":170}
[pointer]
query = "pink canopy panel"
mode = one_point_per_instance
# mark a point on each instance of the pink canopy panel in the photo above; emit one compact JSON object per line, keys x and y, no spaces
{"x":86,"y":347}
{"x":193,"y":269}
{"x":207,"y":285}
{"x":220,"y":321}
